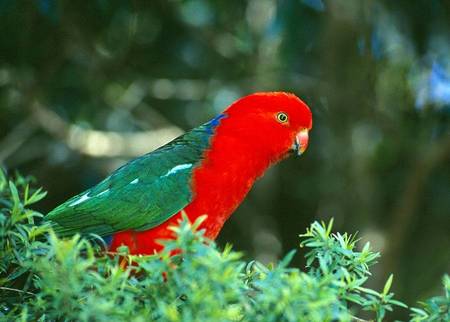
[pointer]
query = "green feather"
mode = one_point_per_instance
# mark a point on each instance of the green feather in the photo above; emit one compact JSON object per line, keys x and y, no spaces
{"x":140,"y":195}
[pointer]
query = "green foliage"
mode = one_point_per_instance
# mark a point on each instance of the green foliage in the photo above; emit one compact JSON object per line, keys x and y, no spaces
{"x":18,"y":237}
{"x":436,"y":308}
{"x":46,"y":278}
{"x":335,"y":255}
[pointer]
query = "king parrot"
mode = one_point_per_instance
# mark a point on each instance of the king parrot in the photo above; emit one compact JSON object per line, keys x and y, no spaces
{"x":206,"y":171}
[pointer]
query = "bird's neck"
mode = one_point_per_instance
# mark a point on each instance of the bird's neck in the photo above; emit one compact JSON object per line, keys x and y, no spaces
{"x":223,"y":179}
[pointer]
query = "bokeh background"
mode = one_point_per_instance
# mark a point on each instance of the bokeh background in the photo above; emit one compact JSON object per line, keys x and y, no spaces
{"x":87,"y":85}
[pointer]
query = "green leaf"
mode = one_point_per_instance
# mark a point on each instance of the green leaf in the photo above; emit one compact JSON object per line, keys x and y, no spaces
{"x":38,"y":195}
{"x":369,"y":291}
{"x":3,"y":180}
{"x":419,"y":311}
{"x":398,"y":303}
{"x":387,"y":285}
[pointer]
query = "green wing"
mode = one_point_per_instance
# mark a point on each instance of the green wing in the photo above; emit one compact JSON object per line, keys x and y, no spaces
{"x":141,"y":194}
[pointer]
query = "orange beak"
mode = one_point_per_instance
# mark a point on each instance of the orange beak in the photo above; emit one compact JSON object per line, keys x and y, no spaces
{"x":301,"y":141}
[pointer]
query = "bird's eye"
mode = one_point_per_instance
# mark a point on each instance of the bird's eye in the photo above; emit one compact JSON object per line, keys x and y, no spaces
{"x":282,"y":117}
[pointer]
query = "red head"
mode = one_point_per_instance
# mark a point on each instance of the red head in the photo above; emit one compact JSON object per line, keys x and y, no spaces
{"x":273,"y":123}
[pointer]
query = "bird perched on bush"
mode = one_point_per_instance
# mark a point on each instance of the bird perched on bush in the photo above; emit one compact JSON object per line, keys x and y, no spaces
{"x":206,"y":171}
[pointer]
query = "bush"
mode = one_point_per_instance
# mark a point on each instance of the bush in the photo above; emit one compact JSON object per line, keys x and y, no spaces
{"x":46,"y":278}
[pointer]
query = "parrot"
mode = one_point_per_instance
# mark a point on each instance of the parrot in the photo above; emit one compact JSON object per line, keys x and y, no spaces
{"x":206,"y":171}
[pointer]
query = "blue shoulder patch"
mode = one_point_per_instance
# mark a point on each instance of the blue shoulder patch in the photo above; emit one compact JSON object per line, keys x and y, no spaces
{"x":108,"y":240}
{"x":211,"y":125}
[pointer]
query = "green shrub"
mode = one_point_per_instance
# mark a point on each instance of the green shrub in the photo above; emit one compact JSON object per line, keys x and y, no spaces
{"x":49,"y":279}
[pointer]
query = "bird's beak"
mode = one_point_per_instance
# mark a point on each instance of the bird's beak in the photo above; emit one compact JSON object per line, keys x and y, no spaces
{"x":301,"y":142}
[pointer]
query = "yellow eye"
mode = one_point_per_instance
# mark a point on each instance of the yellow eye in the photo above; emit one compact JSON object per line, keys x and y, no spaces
{"x":282,"y":117}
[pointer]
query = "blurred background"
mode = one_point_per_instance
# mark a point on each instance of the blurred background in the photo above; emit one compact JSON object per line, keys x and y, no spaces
{"x":87,"y":85}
